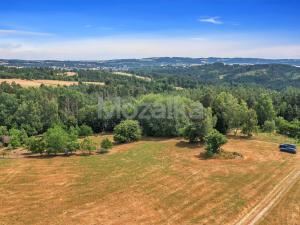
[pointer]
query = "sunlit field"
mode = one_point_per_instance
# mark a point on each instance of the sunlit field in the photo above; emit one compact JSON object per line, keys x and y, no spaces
{"x":154,"y":181}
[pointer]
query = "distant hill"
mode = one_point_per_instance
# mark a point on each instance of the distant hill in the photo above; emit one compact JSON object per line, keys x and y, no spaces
{"x":276,"y":76}
{"x":127,"y":64}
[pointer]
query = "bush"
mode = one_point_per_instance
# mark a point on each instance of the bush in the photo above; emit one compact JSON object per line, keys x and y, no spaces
{"x":213,"y":143}
{"x":85,"y":130}
{"x":88,"y":145}
{"x":36,"y":145}
{"x":73,"y":144}
{"x":269,"y":126}
{"x":57,"y":140}
{"x":127,"y":131}
{"x":17,"y":137}
{"x":291,"y":129}
{"x":106,"y":144}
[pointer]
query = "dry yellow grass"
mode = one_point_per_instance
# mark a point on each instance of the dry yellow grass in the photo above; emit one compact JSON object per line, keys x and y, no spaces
{"x":38,"y":83}
{"x":67,"y":74}
{"x":132,"y":75}
{"x":154,"y":181}
{"x":95,"y":83}
{"x":288,"y":209}
{"x":70,"y":74}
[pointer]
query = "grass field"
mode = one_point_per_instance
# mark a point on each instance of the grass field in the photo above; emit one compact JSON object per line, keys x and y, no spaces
{"x":154,"y":181}
{"x":133,"y":75}
{"x":37,"y":83}
{"x":287,"y":211}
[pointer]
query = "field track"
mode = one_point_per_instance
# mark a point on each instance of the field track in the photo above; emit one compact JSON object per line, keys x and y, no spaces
{"x":274,"y":197}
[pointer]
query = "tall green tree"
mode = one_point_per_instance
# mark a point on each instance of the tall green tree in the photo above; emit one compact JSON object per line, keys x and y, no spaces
{"x":57,"y":140}
{"x":229,"y":112}
{"x":165,"y":115}
{"x":199,"y":128}
{"x":250,"y":123}
{"x":264,"y":109}
{"x":28,"y":117}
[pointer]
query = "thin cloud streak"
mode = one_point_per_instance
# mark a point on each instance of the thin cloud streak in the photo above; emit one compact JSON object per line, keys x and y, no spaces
{"x":213,"y":20}
{"x":23,"y":33}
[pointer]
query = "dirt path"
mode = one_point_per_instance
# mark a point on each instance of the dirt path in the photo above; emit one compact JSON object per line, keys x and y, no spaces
{"x":260,"y":210}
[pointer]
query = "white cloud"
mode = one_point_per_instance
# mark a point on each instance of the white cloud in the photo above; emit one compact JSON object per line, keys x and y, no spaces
{"x":129,"y":47}
{"x":213,"y":20}
{"x":23,"y":33}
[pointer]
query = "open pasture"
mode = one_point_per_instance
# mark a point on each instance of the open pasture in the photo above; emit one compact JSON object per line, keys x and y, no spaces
{"x":154,"y":181}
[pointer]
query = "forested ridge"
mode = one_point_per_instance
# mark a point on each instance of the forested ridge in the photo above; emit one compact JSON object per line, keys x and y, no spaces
{"x":274,"y":76}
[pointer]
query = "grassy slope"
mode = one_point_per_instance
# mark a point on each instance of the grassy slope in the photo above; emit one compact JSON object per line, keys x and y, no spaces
{"x":152,"y":182}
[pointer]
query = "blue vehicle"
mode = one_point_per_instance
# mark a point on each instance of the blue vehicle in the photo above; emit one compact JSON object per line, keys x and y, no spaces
{"x":290,"y":148}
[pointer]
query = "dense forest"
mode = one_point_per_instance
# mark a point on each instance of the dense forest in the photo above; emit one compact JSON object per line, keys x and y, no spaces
{"x":224,"y":106}
{"x":273,"y":76}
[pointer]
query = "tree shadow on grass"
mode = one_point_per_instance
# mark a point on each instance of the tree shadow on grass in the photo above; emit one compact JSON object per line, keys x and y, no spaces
{"x":59,"y":155}
{"x":201,"y":156}
{"x":34,"y":156}
{"x":185,"y":144}
{"x":238,"y":137}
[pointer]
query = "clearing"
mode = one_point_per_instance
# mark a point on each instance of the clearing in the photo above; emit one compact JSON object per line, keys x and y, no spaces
{"x":132,"y":75}
{"x":154,"y":181}
{"x":37,"y":83}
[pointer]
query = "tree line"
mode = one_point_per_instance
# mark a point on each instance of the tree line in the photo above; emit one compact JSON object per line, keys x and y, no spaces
{"x":27,"y":112}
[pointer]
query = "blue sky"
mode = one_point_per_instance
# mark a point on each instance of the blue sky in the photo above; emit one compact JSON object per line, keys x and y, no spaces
{"x":132,"y":29}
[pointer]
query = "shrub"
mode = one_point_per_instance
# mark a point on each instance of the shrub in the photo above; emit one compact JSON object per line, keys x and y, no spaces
{"x":106,"y":144}
{"x":36,"y":145}
{"x":269,"y":126}
{"x":85,"y":130}
{"x":127,"y":131}
{"x":213,"y":143}
{"x":56,"y":140}
{"x":291,"y":129}
{"x":17,"y":137}
{"x":88,"y":145}
{"x":73,"y":144}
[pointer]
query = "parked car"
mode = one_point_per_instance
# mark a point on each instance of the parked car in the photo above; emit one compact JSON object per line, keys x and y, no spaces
{"x":290,"y":148}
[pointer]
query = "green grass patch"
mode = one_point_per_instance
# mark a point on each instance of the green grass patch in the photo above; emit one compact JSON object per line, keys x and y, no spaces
{"x":106,"y":174}
{"x":276,"y":138}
